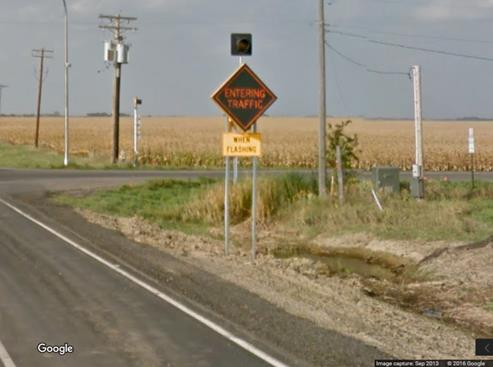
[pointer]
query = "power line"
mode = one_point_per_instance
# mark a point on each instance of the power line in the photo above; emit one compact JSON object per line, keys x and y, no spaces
{"x":430,"y":50}
{"x":347,"y":58}
{"x":348,"y":34}
{"x":338,"y":85}
{"x":410,"y":35}
{"x":361,"y":65}
{"x":409,"y":47}
{"x":387,"y":72}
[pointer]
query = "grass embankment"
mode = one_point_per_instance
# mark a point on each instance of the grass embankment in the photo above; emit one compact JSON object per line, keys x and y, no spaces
{"x":451,"y":211}
{"x":26,"y":156}
{"x":22,"y":156}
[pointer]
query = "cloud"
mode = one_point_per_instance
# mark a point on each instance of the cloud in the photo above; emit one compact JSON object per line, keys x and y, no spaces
{"x":447,"y":10}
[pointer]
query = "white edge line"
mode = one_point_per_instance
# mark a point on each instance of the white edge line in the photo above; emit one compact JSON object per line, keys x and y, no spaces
{"x":210,"y":324}
{"x":4,"y":357}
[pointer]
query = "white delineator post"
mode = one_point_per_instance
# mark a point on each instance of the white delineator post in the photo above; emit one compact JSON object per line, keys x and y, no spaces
{"x":136,"y":134}
{"x":136,"y":144}
{"x":472,"y":151}
{"x":136,"y":130}
{"x":417,"y":185}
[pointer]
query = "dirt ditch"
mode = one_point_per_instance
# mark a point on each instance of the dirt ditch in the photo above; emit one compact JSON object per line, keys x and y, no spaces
{"x":345,"y":261}
{"x":420,"y":286}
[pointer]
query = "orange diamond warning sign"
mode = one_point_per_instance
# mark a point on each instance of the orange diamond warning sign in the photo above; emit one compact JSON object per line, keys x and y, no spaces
{"x":244,"y":97}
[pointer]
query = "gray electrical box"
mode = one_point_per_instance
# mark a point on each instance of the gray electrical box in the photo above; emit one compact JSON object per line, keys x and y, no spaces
{"x":386,"y":179}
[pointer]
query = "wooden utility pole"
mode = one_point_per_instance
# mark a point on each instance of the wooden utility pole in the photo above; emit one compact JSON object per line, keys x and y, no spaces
{"x":115,"y":25}
{"x":116,"y":112}
{"x":42,"y":54}
{"x":322,"y":164}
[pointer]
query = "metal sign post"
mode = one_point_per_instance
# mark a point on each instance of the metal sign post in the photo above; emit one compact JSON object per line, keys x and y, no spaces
{"x":236,"y":159}
{"x":227,"y":128}
{"x":472,"y":152}
{"x":254,"y":202}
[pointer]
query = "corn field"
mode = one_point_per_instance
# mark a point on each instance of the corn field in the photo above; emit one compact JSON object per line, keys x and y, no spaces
{"x":287,"y":142}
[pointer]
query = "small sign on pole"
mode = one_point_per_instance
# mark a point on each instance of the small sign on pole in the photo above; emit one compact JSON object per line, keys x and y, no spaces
{"x":472,"y":151}
{"x":242,"y":145}
{"x":472,"y":146}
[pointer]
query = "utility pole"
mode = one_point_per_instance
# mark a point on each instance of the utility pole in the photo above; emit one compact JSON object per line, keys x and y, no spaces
{"x":116,"y":51}
{"x":417,"y":183}
{"x":1,"y":89}
{"x":42,"y":54}
{"x":323,"y":111}
{"x":67,"y":66}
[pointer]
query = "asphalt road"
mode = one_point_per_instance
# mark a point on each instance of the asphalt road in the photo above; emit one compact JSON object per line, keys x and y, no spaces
{"x":53,"y":293}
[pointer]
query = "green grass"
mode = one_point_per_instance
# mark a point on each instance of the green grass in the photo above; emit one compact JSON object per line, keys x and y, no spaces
{"x":451,"y":211}
{"x":21,"y":156}
{"x":159,"y":201}
{"x":26,"y":156}
{"x":274,"y":194}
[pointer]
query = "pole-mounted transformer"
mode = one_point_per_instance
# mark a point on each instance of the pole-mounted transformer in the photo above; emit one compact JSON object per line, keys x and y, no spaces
{"x":116,"y":52}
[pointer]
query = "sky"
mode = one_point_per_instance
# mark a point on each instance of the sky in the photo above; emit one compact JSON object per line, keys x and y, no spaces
{"x":180,"y":54}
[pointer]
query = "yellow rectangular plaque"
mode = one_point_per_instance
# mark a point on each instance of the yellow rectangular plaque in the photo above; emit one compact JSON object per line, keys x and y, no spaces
{"x":242,"y":145}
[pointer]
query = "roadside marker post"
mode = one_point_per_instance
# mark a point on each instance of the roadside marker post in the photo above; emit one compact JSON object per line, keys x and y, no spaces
{"x":244,"y":98}
{"x":417,"y":182}
{"x":472,"y":152}
{"x":137,"y":131}
{"x":340,"y":175}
